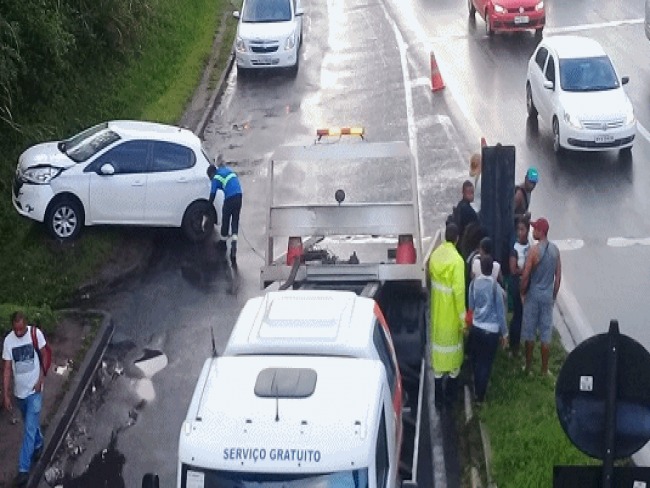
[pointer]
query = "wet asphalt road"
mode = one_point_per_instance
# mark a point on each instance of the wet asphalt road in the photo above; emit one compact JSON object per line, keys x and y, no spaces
{"x":366,"y":63}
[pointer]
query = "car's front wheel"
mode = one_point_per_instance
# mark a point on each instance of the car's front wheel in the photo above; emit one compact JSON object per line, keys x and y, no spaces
{"x":471,"y":8}
{"x":64,"y":219}
{"x":198,"y":221}
{"x":557,"y":147}
{"x":530,"y":105}
{"x":488,"y":25}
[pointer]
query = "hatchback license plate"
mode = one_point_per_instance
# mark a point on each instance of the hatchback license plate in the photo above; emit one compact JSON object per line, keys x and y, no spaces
{"x":522,"y":19}
{"x":603,"y":139}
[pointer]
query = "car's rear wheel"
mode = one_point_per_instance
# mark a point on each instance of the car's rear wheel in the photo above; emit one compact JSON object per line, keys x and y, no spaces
{"x":471,"y":8}
{"x":557,"y":147}
{"x":198,"y":221}
{"x":530,"y":105}
{"x":64,"y":219}
{"x":488,"y":25}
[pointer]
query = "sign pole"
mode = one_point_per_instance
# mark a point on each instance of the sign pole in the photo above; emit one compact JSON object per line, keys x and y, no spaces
{"x":610,"y":404}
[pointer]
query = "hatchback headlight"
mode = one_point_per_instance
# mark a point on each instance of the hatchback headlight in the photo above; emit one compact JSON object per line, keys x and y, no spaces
{"x":240,"y":45}
{"x":539,"y":6}
{"x":572,"y":120}
{"x":290,"y":43}
{"x":41,"y":175}
{"x":499,"y":9}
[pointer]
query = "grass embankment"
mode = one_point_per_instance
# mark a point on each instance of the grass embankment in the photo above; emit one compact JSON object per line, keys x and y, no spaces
{"x":153,"y":81}
{"x":526,"y":437}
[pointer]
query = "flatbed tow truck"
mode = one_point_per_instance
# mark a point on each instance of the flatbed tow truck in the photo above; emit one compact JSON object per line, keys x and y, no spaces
{"x":371,"y":248}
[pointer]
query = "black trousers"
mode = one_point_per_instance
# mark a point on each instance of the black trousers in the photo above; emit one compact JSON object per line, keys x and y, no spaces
{"x":230,"y":215}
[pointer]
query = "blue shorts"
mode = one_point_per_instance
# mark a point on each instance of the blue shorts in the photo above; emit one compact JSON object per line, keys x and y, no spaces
{"x":537,"y":317}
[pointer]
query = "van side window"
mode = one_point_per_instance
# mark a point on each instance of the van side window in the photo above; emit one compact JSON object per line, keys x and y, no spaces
{"x":540,"y":57}
{"x":381,"y":454}
{"x":381,"y":343}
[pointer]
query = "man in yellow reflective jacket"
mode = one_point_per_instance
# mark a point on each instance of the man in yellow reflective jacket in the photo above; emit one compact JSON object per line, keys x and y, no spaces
{"x":447,"y":277}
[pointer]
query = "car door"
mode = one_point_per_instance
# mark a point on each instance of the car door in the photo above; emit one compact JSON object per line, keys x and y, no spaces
{"x":117,"y":195}
{"x":173,"y":183}
{"x":537,"y":78}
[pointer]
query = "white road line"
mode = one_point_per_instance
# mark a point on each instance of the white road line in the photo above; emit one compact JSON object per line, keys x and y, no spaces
{"x":408,"y":96}
{"x":569,"y":244}
{"x":584,"y":27}
{"x":643,"y":131}
{"x":627,"y":242}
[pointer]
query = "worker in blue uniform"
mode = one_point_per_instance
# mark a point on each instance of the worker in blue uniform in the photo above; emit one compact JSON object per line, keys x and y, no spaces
{"x":225,"y":179}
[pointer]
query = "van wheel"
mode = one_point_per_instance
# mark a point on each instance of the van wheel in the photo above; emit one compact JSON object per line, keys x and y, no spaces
{"x":471,"y":8}
{"x":64,"y":219}
{"x":198,"y":221}
{"x":530,"y":106}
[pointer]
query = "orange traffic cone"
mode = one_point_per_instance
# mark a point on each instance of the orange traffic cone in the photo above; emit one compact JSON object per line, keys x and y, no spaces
{"x":436,"y":79}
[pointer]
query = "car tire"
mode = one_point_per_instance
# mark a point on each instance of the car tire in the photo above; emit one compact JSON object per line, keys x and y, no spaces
{"x":471,"y":8}
{"x":294,"y":69}
{"x":64,"y":219}
{"x":488,"y":26}
{"x":625,"y":151}
{"x":193,"y":226}
{"x":530,"y":105}
{"x":242,"y":72}
{"x":539,"y":34}
{"x":557,"y":147}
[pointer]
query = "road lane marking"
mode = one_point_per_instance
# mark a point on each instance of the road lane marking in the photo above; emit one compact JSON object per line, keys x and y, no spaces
{"x":569,"y":244}
{"x":598,"y":25}
{"x":628,"y":241}
{"x":643,"y":131}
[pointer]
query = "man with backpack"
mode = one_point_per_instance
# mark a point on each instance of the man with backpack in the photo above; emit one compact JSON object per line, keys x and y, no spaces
{"x":23,"y":349}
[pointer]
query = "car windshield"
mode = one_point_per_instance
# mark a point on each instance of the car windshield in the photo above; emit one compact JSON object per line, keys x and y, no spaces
{"x":86,"y":144}
{"x":587,"y":74}
{"x":266,"y":11}
{"x":233,"y":479}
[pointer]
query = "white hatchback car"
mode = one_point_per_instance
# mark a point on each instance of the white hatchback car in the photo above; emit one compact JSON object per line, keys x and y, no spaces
{"x":573,"y":86}
{"x":269,"y":34}
{"x":119,"y":172}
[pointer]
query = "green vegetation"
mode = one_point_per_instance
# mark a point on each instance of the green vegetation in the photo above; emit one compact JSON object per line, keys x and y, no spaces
{"x":44,"y":317}
{"x":68,"y":65}
{"x":525,"y":433}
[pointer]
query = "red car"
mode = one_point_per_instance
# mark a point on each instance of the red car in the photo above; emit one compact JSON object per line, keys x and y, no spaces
{"x":510,"y":15}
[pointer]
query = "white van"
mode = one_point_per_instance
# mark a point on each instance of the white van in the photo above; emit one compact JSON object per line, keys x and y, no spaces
{"x":307,"y":394}
{"x":269,"y":34}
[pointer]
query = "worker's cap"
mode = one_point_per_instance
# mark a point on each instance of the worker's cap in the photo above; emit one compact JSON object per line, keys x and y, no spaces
{"x":541,"y":225}
{"x":532,"y":175}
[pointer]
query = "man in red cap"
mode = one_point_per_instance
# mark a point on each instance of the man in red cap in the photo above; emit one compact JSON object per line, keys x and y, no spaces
{"x":540,"y":283}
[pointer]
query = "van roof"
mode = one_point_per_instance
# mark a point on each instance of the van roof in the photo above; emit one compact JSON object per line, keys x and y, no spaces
{"x":343,"y":410}
{"x":571,"y":47}
{"x":306,"y":322}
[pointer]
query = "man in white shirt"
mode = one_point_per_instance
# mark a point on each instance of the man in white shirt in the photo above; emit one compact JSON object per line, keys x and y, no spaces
{"x":22,"y":361}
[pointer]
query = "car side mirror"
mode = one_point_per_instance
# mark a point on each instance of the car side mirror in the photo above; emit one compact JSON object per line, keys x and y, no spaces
{"x":300,"y":11}
{"x":235,"y":14}
{"x":107,"y":169}
{"x":150,"y":480}
{"x":625,"y":80}
{"x":549,"y":85}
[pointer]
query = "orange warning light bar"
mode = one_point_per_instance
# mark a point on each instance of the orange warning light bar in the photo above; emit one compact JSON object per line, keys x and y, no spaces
{"x":340,"y":131}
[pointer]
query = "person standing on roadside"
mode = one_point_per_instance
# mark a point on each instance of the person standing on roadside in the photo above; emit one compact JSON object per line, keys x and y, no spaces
{"x":518,"y":254}
{"x":447,"y":280}
{"x":465,"y":212}
{"x":488,"y":325}
{"x":225,"y":179}
{"x":524,"y":192}
{"x":22,"y":361}
{"x":540,"y":283}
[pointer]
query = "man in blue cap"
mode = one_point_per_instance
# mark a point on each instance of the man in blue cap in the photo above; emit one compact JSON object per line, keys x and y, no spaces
{"x":523,"y":193}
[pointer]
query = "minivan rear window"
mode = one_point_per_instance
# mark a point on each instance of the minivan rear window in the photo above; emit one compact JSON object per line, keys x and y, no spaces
{"x":266,"y":11}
